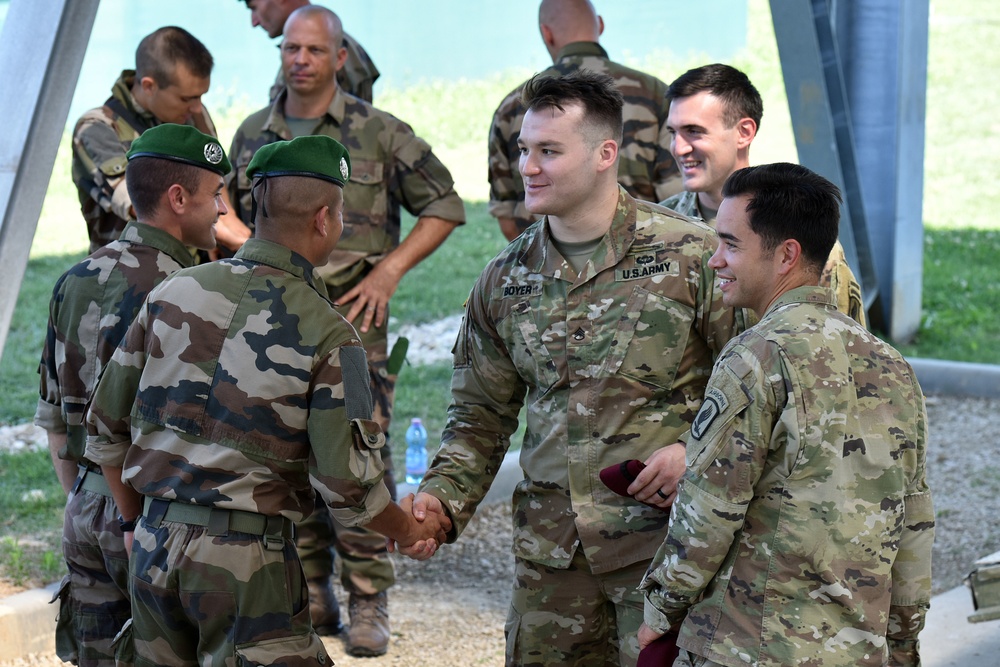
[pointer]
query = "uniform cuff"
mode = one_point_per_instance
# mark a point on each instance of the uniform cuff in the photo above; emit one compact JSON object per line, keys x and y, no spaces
{"x":49,"y":417}
{"x":375,"y":502}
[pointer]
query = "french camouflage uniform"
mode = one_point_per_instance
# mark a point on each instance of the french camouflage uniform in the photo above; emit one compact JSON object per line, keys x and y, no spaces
{"x":236,"y":391}
{"x":390,"y":167}
{"x":357,"y":76}
{"x":101,"y":138}
{"x":646,"y":167}
{"x":611,"y":364}
{"x":837,"y":273}
{"x":802,"y":529}
{"x":92,"y":305}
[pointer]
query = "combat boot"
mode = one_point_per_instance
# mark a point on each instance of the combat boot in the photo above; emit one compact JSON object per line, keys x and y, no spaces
{"x":369,"y":631}
{"x":323,"y":608}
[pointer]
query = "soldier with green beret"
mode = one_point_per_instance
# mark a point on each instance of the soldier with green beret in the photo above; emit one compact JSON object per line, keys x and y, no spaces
{"x":393,"y":169}
{"x":172,"y":72}
{"x":802,"y":530}
{"x":237,"y":394}
{"x":174,"y":175}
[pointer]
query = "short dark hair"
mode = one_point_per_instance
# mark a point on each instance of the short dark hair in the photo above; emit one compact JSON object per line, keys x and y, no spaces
{"x":160,"y":51}
{"x":739,"y":97}
{"x":601,"y":100}
{"x":147,"y":178}
{"x":788,"y":201}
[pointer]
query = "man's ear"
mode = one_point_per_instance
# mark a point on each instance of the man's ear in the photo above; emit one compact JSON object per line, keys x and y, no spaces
{"x":177,"y":198}
{"x":147,"y":84}
{"x":608,"y":154}
{"x":319,"y":221}
{"x":791,"y":256}
{"x":747,"y":130}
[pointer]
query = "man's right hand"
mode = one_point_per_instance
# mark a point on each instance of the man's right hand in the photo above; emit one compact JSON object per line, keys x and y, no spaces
{"x":432,"y":524}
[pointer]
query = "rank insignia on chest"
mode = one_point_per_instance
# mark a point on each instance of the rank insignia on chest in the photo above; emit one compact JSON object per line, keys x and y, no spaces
{"x":646,"y":265}
{"x":512,"y":291}
{"x":714,"y":405}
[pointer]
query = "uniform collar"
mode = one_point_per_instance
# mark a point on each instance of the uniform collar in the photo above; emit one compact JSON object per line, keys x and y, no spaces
{"x":277,"y":124}
{"x":577,"y":49}
{"x":805,"y":294}
{"x":122,"y":91}
{"x":283,"y":259}
{"x":154,"y":237}
{"x":541,"y":256}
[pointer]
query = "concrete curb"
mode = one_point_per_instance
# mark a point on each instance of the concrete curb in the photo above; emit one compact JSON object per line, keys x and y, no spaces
{"x":28,"y":623}
{"x":957,"y":378}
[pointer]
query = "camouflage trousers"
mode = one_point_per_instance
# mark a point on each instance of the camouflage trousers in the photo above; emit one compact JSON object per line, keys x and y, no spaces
{"x":574,"y":617}
{"x":94,"y":599}
{"x":686,"y":659}
{"x":365,"y":567}
{"x":218,"y":600}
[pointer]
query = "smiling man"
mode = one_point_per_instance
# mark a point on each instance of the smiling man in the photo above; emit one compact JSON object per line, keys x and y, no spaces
{"x":715,"y":112}
{"x":802,"y":530}
{"x":601,"y":322}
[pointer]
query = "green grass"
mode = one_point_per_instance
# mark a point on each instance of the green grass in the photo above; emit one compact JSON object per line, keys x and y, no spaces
{"x":31,"y":504}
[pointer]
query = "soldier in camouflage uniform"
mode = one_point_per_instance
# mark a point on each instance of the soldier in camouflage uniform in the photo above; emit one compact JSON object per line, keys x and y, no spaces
{"x":570,"y":30}
{"x":236,"y":390}
{"x":173,"y":71}
{"x":603,"y":320}
{"x":714,"y":115}
{"x":392,"y":168}
{"x":802,"y":530}
{"x":356,"y":77}
{"x":175,"y":175}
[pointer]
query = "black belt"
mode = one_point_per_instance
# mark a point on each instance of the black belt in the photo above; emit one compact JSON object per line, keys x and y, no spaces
{"x":90,"y":478}
{"x":274,"y":529}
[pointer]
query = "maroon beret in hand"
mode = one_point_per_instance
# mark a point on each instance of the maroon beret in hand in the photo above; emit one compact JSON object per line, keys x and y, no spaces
{"x":660,"y":653}
{"x":619,"y":476}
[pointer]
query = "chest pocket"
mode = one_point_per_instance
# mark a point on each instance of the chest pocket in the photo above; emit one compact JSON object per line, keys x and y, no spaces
{"x":651,"y":337}
{"x":527,"y":345}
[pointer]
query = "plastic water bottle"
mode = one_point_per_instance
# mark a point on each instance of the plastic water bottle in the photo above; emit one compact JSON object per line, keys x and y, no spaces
{"x":416,"y":451}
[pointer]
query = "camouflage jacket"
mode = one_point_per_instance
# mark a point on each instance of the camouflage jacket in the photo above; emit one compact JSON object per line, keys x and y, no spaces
{"x":645,"y":166}
{"x":611,"y":365}
{"x":92,"y":305}
{"x":236,"y":383}
{"x":357,"y":76}
{"x":803,"y":526}
{"x":390,"y":167}
{"x":101,"y":139}
{"x":837,"y":273}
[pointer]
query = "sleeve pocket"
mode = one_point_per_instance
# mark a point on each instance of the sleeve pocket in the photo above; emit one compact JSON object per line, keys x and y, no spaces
{"x":725,"y":398}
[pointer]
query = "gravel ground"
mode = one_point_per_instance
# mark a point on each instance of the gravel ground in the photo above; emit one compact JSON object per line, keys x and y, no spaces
{"x":451,"y":609}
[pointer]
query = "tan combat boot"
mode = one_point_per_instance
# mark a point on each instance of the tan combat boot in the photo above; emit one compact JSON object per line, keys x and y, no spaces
{"x":323,"y":608}
{"x":369,"y":631}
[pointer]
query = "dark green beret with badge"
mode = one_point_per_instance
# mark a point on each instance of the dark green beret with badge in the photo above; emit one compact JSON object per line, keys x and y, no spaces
{"x":315,"y":156}
{"x":181,"y":143}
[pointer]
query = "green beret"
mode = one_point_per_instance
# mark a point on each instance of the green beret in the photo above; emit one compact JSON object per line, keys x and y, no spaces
{"x":181,"y":143}
{"x":315,"y":156}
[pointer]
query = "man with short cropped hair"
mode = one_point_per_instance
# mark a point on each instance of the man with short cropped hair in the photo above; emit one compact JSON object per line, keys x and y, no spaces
{"x":802,"y":529}
{"x":715,"y":112}
{"x":600,"y":323}
{"x":174,"y":176}
{"x":173,"y":71}
{"x":570,"y":30}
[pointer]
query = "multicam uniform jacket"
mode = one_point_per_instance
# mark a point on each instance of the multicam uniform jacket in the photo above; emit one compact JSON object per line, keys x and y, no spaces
{"x":390,"y":167}
{"x":837,"y":273}
{"x":645,"y":167}
{"x":236,"y":384}
{"x":101,"y":139}
{"x":357,"y":76}
{"x":802,"y":530}
{"x":91,"y":308}
{"x":611,"y":365}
